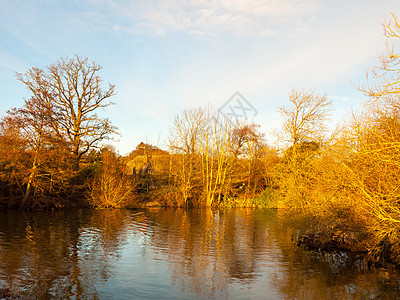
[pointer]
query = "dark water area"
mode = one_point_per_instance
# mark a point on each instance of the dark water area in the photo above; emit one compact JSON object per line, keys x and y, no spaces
{"x":168,"y":253}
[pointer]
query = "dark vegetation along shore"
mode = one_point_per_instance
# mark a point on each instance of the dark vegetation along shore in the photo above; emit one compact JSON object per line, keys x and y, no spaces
{"x":341,"y":188}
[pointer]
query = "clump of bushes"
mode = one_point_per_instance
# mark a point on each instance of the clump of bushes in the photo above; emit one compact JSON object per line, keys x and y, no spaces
{"x":269,"y":198}
{"x":111,"y":187}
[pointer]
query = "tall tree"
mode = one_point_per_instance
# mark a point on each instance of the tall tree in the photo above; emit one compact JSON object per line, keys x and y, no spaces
{"x":37,"y":159}
{"x":187,"y":128}
{"x":184,"y":143}
{"x":248,"y":146}
{"x":33,"y":124}
{"x":305,"y":120}
{"x":303,"y":129}
{"x":72,"y":92}
{"x":375,"y":161}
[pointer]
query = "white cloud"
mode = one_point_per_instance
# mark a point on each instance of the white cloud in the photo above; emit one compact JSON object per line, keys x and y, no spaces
{"x":237,"y":17}
{"x":276,"y":9}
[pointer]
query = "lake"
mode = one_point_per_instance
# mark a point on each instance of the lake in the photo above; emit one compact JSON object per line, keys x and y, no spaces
{"x":167,"y":253}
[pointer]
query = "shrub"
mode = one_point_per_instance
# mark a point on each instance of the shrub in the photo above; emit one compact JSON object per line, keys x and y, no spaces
{"x":111,"y":187}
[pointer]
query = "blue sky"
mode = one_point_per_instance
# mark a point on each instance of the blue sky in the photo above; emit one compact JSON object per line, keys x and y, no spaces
{"x":165,"y":56}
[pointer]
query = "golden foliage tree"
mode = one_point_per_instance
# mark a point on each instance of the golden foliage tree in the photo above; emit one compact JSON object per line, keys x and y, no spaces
{"x":72,"y":92}
{"x":37,"y":160}
{"x":250,"y":154}
{"x":374,"y":167}
{"x":111,"y":187}
{"x":184,"y":142}
{"x":303,"y":130}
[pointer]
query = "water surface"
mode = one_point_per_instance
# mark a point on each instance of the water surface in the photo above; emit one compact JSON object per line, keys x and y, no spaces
{"x":173,"y":254}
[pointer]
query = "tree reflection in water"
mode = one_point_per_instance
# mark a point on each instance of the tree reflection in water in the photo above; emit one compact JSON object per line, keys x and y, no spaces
{"x":58,"y":253}
{"x":173,"y":253}
{"x":337,"y":275}
{"x":209,"y":250}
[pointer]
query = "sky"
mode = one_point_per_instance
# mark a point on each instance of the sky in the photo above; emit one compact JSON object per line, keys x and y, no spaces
{"x":167,"y":56}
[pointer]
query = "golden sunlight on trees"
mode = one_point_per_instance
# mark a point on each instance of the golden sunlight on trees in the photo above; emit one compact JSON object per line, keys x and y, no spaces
{"x":72,"y":92}
{"x":13,"y":169}
{"x":200,"y":147}
{"x":384,"y":79}
{"x":249,"y":151}
{"x":305,"y":120}
{"x":31,"y":151}
{"x":187,"y":128}
{"x":184,"y":144}
{"x":303,"y":129}
{"x":349,"y":185}
{"x":213,"y":161}
{"x":33,"y":123}
{"x":215,"y":158}
{"x":111,"y":187}
{"x":375,"y":165}
{"x":344,"y":184}
{"x":46,"y":142}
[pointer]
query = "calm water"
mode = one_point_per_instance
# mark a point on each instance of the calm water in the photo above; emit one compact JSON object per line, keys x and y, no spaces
{"x":173,"y":254}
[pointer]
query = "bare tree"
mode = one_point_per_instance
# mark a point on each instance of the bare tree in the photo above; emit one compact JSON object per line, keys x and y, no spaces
{"x":31,"y":126}
{"x":72,"y":91}
{"x":111,"y":187}
{"x":383,"y":81}
{"x":306,"y":119}
{"x":201,"y":142}
{"x":216,"y":164}
{"x":245,"y":138}
{"x":185,"y":144}
{"x":303,"y":128}
{"x":248,"y":146}
{"x":186,"y":130}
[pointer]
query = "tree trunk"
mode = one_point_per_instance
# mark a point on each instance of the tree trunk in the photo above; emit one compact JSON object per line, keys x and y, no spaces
{"x":28,"y":190}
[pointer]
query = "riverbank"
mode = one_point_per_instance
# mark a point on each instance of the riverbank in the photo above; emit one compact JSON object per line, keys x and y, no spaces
{"x":339,"y":235}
